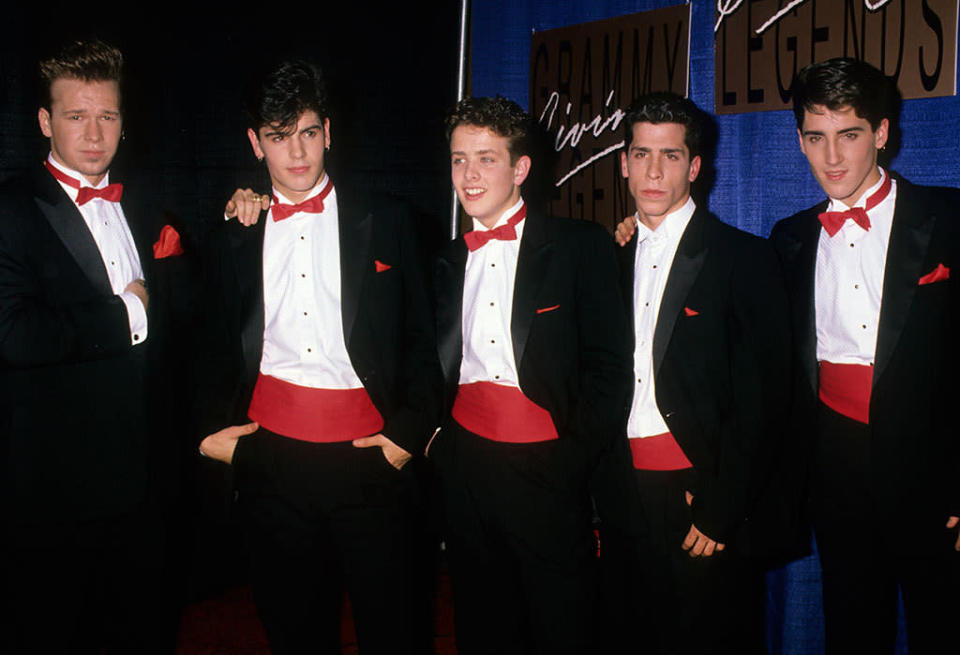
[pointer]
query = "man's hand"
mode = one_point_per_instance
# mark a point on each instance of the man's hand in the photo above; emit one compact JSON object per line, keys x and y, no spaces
{"x":394,"y":454}
{"x":696,"y":543}
{"x":245,"y":205}
{"x":626,"y":229}
{"x":952,"y":523}
{"x":139,"y":289}
{"x":220,"y":445}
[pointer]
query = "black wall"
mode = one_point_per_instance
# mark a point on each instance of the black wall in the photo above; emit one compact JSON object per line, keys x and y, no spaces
{"x":391,"y":70}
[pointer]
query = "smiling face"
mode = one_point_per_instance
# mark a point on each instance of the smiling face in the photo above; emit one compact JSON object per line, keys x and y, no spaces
{"x":83,"y":124}
{"x":294,"y":155}
{"x":487,"y":184}
{"x":658,"y":166}
{"x":842,"y":151}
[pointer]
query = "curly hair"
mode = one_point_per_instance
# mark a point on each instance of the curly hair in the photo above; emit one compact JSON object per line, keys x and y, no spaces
{"x":280,"y":96}
{"x":502,"y":116}
{"x":666,"y":107}
{"x":87,"y":61}
{"x":840,"y":83}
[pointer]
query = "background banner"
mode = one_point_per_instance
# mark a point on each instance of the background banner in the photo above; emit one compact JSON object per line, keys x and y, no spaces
{"x":582,"y":78}
{"x":761,"y":44}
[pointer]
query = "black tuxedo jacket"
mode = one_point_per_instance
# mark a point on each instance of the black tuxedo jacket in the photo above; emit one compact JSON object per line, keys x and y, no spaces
{"x":387,"y":319}
{"x":915,"y":449}
{"x":75,"y":429}
{"x":573,"y":360}
{"x":721,"y":365}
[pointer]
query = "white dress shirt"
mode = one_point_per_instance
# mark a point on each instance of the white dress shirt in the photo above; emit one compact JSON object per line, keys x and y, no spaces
{"x":110,"y":232}
{"x":303,"y":341}
{"x":488,"y":306}
{"x":654,"y":259}
{"x":849,"y":282}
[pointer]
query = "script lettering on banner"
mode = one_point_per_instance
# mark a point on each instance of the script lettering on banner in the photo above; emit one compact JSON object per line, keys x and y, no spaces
{"x":759,"y":45}
{"x":582,"y":78}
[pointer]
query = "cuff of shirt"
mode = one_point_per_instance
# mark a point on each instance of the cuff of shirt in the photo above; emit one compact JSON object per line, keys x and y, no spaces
{"x":136,"y":316}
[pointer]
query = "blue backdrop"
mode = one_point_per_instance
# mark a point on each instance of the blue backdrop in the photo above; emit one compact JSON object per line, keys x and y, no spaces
{"x":761,"y":176}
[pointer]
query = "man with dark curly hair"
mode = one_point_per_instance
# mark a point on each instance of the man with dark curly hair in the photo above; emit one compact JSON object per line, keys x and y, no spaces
{"x":323,"y":368}
{"x":533,"y":348}
{"x":711,"y":376}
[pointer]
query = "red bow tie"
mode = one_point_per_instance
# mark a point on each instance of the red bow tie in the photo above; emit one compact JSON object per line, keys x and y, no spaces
{"x":312,"y":205}
{"x":478,"y":238}
{"x":110,"y":193}
{"x":833,"y":221}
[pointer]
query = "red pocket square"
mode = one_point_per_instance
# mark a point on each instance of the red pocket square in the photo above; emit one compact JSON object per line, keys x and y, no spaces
{"x":941,"y":272}
{"x":690,"y":312}
{"x":168,"y":244}
{"x":544,"y":310}
{"x":381,"y":267}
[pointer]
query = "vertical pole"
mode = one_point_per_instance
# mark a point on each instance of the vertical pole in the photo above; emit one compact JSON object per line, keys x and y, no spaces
{"x":462,"y":75}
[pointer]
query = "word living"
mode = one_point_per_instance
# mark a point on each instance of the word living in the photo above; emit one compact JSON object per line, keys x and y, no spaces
{"x":571,"y":136}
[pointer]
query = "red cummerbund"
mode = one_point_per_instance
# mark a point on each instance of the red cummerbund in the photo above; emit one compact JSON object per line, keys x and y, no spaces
{"x":501,"y":413}
{"x":317,"y":415}
{"x":845,"y":388}
{"x":661,"y":452}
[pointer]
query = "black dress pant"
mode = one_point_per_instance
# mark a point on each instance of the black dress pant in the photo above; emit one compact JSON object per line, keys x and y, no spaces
{"x":520,"y":545}
{"x":324,"y":518}
{"x":659,"y":600}
{"x":864,"y":559}
{"x":88,"y":588}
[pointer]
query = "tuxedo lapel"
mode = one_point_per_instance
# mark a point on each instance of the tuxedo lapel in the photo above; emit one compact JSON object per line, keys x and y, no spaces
{"x":247,"y":244}
{"x":909,"y":241}
{"x":536,"y":248}
{"x":355,"y":234}
{"x":691,"y":253}
{"x":451,"y":268}
{"x":804,"y":269}
{"x":66,"y":221}
{"x":628,"y":257}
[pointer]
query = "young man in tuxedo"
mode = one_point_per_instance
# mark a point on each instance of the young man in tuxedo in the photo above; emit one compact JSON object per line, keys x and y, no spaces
{"x":532,"y":343}
{"x":710,"y":363}
{"x":83,"y":541}
{"x":875,"y":320}
{"x":323,"y":367}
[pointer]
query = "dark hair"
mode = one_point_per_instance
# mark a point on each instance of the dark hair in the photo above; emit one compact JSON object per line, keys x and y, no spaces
{"x":282,"y":94}
{"x":666,"y":107}
{"x":504,"y":117}
{"x":87,"y":61}
{"x":844,"y":82}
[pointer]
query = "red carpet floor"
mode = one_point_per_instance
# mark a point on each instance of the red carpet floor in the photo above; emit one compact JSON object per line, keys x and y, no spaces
{"x":228,"y":625}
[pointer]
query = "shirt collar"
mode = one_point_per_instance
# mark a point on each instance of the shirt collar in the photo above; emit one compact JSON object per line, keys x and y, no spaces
{"x":317,"y":188}
{"x":839,"y":205}
{"x":77,"y":176}
{"x":671,"y":228}
{"x":477,"y":225}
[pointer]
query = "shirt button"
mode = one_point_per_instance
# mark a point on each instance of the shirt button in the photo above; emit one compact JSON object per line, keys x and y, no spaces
{"x":303,"y":275}
{"x":864,"y":327}
{"x":493,"y":341}
{"x":136,"y":337}
{"x":639,"y":381}
{"x":496,"y":377}
{"x":309,"y":350}
{"x":851,"y":245}
{"x":654,"y":265}
{"x":646,"y":304}
{"x":856,"y":286}
{"x":493,"y":265}
{"x":304,"y":313}
{"x":113,"y":263}
{"x":491,"y":304}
